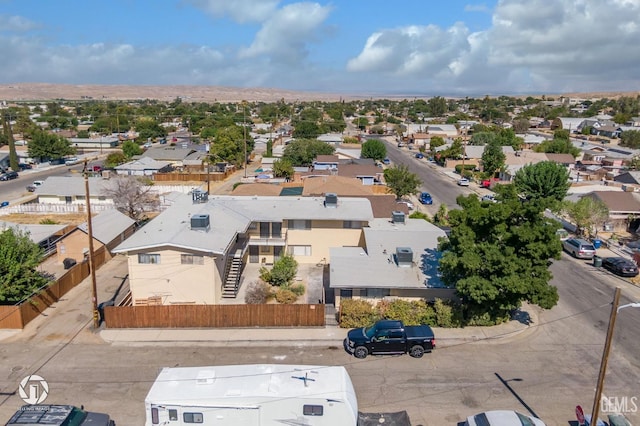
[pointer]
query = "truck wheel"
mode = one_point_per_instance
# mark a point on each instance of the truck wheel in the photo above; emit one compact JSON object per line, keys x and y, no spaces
{"x":361,"y":352}
{"x":416,"y":351}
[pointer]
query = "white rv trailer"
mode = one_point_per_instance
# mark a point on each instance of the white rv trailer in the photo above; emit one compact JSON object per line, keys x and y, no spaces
{"x":247,"y":395}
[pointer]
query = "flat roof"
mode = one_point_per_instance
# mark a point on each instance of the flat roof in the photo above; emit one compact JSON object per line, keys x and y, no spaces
{"x":242,"y":385}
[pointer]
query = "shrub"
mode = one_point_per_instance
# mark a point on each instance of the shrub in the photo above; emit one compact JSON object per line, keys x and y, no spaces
{"x":258,"y":292}
{"x":356,"y":313}
{"x":282,"y":273}
{"x":448,"y":315}
{"x":467,"y":167}
{"x":298,"y":289}
{"x":48,"y":221}
{"x":413,"y":312}
{"x":285,"y":295}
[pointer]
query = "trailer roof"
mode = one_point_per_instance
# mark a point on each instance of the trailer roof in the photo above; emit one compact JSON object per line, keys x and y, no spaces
{"x":247,"y":385}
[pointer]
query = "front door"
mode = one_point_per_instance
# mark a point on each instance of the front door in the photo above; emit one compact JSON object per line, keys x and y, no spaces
{"x":254,"y":254}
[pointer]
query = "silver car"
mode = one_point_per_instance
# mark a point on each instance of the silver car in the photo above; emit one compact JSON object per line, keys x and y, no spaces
{"x":581,"y":249}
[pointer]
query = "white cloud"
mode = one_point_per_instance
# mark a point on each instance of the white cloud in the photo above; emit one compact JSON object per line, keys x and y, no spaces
{"x":285,"y":35}
{"x":539,"y":45}
{"x":238,"y":10}
{"x":476,"y":8}
{"x":16,"y":23}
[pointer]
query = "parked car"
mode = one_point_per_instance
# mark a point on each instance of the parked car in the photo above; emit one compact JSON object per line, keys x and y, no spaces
{"x":58,"y":415}
{"x":31,"y":188}
{"x":9,"y":176}
{"x":4,"y":204}
{"x":147,"y":145}
{"x":420,"y":155}
{"x":71,"y":161}
{"x":409,"y":204}
{"x":464,"y":182}
{"x":502,"y":418}
{"x":390,"y":337}
{"x":25,"y":166}
{"x":620,"y":266}
{"x":386,"y":161}
{"x":490,"y":198}
{"x":425,"y":198}
{"x":579,"y":248}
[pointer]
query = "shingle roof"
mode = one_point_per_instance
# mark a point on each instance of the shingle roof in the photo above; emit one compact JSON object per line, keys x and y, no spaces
{"x":171,"y":153}
{"x":69,"y":186}
{"x":257,"y":189}
{"x":143,"y":163}
{"x":618,"y":201}
{"x":37,"y":233}
{"x":343,"y":186}
{"x":107,"y":225}
{"x":230,"y":215}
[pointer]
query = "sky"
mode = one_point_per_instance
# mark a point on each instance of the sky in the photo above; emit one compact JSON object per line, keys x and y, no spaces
{"x":402,"y":47}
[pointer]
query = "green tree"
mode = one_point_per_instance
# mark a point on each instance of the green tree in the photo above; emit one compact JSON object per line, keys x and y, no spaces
{"x":497,"y":256}
{"x":521,"y":125}
{"x":45,"y":145}
{"x":282,"y":273}
{"x":302,"y":152}
{"x":361,"y":122}
{"x":83,"y":134}
{"x":441,"y":218}
{"x":114,"y":159}
{"x":229,"y":146}
{"x":493,"y":158}
{"x":130,"y":148}
{"x":587,"y":214}
{"x":283,"y":168}
{"x":400,"y":181}
{"x":545,"y":180}
{"x":630,"y":139}
{"x":306,"y":130}
{"x":375,"y":149}
{"x":558,"y":146}
{"x":19,"y":260}
{"x":148,"y":128}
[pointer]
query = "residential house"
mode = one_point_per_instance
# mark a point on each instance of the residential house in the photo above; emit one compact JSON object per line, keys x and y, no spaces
{"x":514,"y":161}
{"x":331,"y":138}
{"x":102,"y":142}
{"x":72,"y":190}
{"x":46,"y":236}
{"x":145,"y":166}
{"x":399,"y":260}
{"x":109,"y":228}
{"x":631,"y":177}
{"x":368,"y":174}
{"x":531,"y":140}
{"x":173,"y":154}
{"x":624,"y":207}
{"x":443,"y":130}
{"x":571,"y":124}
{"x":258,"y":189}
{"x":326,"y":162}
{"x":348,"y":151}
{"x":566,"y":160}
{"x":193,"y":252}
{"x":607,"y":131}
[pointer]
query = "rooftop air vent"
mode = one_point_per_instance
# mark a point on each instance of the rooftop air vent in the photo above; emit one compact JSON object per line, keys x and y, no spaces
{"x":404,"y":256}
{"x":397,"y":216}
{"x":331,"y":200}
{"x":199,"y":196}
{"x":200,"y":222}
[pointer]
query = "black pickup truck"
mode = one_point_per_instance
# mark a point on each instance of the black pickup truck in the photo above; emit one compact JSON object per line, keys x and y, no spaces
{"x":390,"y":337}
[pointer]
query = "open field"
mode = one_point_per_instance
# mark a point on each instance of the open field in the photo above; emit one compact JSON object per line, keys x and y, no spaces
{"x":49,"y":91}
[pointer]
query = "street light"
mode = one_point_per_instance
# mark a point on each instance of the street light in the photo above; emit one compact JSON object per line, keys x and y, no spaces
{"x":605,"y":354}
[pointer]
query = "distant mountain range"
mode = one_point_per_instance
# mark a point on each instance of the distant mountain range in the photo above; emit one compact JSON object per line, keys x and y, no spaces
{"x":50,"y":91}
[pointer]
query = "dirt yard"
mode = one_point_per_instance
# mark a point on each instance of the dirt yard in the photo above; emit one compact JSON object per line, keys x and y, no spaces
{"x":46,"y":219}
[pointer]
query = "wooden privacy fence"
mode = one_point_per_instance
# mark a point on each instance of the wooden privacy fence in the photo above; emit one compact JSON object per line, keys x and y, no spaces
{"x":17,"y":316}
{"x":189,"y":177}
{"x":186,"y":316}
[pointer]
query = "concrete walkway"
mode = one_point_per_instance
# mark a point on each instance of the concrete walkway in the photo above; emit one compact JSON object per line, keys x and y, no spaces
{"x":305,"y":337}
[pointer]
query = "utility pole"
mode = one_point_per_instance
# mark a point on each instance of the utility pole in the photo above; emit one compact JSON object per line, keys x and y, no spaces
{"x":94,"y":291}
{"x":605,"y":357}
{"x":244,"y":130}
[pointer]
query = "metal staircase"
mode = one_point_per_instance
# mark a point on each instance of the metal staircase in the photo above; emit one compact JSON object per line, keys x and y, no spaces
{"x":233,"y":273}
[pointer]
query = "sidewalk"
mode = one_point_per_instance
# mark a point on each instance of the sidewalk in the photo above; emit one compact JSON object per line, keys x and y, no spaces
{"x":302,"y":337}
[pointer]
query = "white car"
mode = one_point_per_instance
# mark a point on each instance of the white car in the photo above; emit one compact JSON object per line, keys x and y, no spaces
{"x":71,"y":161}
{"x":502,"y":418}
{"x":464,"y":182}
{"x":490,"y":198}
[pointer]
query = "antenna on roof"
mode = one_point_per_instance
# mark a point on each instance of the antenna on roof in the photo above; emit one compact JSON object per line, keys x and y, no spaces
{"x":305,"y":379}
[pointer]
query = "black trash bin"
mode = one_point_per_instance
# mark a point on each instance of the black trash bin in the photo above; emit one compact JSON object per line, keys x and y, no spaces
{"x":68,"y":262}
{"x":597,"y":261}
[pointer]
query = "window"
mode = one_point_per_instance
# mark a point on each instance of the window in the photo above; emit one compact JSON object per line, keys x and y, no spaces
{"x":191,"y":259}
{"x":265,"y":249}
{"x":173,"y":415}
{"x":352,"y":224}
{"x":192,"y":418}
{"x":148,"y":258}
{"x":346,"y":293}
{"x":253,"y":225}
{"x":299,"y":250}
{"x":265,"y":229}
{"x":299,"y":224}
{"x":378,"y":292}
{"x":276,"y":230}
{"x":312,"y":410}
